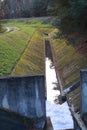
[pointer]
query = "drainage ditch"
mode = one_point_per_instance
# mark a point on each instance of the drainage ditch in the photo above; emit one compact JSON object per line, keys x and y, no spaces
{"x":59,"y":114}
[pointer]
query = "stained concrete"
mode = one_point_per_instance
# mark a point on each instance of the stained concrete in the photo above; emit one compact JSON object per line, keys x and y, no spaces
{"x":24,"y":96}
{"x":84,"y":94}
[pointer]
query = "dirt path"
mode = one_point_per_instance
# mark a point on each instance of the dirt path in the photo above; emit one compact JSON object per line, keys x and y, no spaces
{"x":11,"y":28}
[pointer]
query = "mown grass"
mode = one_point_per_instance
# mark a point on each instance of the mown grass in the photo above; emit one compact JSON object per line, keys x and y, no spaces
{"x":13,"y":44}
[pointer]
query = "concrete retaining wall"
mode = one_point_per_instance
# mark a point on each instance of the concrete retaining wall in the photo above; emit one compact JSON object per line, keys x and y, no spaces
{"x":84,"y":95}
{"x":24,"y":96}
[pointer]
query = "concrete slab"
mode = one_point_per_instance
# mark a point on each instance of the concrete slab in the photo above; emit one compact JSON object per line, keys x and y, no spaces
{"x":24,"y":96}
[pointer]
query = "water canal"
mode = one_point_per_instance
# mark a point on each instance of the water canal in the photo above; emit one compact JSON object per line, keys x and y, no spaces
{"x":60,"y":114}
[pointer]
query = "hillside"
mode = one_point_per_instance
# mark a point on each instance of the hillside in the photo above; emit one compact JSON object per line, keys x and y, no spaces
{"x":23,"y":8}
{"x":69,"y":59}
{"x":22,"y":52}
{"x":23,"y":48}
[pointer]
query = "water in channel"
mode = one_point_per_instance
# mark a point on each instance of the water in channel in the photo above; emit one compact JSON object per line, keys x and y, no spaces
{"x":59,"y":114}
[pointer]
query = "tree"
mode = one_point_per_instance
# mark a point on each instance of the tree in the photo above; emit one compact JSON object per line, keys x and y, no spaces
{"x":79,"y":11}
{"x":71,"y":13}
{"x":3,"y":9}
{"x":40,"y":7}
{"x":24,"y":8}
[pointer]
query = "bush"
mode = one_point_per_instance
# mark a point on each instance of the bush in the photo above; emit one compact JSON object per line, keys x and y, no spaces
{"x":25,"y":13}
{"x":72,"y":13}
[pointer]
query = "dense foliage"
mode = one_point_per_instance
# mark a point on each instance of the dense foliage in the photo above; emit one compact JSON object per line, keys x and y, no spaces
{"x":23,"y":8}
{"x":40,"y":7}
{"x":71,"y":13}
{"x":29,"y":35}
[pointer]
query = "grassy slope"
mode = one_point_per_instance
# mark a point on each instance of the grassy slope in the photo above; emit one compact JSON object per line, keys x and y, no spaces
{"x":69,"y":61}
{"x":32,"y":61}
{"x":13,"y":44}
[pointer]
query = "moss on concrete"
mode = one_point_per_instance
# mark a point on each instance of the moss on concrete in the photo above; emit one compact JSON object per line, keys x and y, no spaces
{"x":14,"y":43}
{"x":32,"y":61}
{"x":68,"y":60}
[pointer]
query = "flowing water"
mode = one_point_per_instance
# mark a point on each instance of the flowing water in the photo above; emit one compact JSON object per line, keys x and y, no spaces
{"x":60,"y":115}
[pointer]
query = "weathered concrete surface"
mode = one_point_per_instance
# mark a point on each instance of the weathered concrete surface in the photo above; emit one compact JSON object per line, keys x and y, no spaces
{"x":49,"y":124}
{"x":13,"y":121}
{"x":84,"y":94}
{"x":24,"y":96}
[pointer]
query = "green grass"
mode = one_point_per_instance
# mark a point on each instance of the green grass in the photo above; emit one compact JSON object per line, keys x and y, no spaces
{"x":14,"y":43}
{"x":32,"y":60}
{"x":2,"y":29}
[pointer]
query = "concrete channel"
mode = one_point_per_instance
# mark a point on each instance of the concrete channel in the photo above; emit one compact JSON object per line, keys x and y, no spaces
{"x":60,"y":115}
{"x":22,"y":103}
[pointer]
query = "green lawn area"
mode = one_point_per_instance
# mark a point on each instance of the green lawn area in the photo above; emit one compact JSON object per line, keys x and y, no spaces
{"x":32,"y":60}
{"x":13,"y":43}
